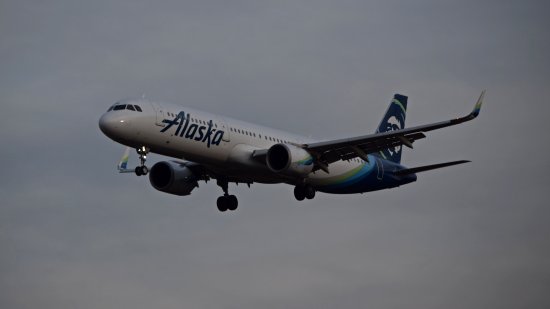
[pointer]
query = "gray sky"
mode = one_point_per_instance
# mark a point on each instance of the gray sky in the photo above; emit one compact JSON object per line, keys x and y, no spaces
{"x":75,"y":234}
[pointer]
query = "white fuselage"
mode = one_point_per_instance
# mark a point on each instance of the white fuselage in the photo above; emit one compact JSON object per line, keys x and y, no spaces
{"x":228,"y":153}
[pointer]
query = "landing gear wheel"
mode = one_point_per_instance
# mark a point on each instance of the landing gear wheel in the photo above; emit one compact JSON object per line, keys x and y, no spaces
{"x":299,"y":193}
{"x":226,"y":201}
{"x":233,"y":203}
{"x":302,"y":192}
{"x":309,"y":192}
{"x":141,"y":170}
{"x":222,"y":203}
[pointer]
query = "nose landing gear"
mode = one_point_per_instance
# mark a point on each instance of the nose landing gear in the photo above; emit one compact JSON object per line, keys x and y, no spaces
{"x":142,"y":170}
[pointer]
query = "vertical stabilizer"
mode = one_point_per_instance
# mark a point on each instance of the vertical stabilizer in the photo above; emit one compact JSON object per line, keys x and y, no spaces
{"x":394,"y":119}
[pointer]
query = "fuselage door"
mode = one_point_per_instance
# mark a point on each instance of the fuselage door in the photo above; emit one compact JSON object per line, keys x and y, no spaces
{"x":159,"y":111}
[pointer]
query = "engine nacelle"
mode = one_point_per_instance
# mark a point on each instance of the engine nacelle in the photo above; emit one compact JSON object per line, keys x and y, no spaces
{"x":289,"y":160}
{"x":173,"y":178}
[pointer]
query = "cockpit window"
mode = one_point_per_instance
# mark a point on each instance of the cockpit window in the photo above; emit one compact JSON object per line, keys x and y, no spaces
{"x":117,"y":107}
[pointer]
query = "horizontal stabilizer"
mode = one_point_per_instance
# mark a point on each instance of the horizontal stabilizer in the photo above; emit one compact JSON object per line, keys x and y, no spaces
{"x":424,"y":168}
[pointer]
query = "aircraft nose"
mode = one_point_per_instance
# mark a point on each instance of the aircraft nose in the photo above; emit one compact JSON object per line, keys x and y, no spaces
{"x":109,"y":124}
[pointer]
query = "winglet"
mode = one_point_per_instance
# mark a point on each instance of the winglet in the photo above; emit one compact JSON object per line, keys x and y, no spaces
{"x":477,"y":107}
{"x":123,"y":164}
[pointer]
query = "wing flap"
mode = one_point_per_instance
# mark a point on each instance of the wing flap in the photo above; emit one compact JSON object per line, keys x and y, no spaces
{"x":346,"y":151}
{"x":332,"y":151}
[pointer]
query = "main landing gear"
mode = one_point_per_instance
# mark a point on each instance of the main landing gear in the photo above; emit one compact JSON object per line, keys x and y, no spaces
{"x":302,"y":192}
{"x":142,"y":170}
{"x":226,"y":201}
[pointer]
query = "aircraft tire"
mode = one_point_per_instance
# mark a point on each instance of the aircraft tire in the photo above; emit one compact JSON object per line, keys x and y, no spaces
{"x":138,"y":171}
{"x":309,"y":192}
{"x":232,"y":202}
{"x":299,"y":193}
{"x":222,"y":203}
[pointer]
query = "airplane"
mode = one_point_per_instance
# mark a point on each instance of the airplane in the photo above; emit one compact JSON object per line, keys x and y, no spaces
{"x":206,"y":146}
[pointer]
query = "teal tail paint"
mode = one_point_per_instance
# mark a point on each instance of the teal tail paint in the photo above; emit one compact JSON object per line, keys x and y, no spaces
{"x":394,"y":119}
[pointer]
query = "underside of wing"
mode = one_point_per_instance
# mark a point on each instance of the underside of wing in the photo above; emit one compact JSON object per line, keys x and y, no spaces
{"x":354,"y":149}
{"x":344,"y":149}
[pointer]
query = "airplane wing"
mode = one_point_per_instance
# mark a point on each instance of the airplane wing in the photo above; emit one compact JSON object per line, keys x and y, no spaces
{"x":344,"y":149}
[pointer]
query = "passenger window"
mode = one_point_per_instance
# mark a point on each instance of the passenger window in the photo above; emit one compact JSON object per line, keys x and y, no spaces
{"x":138,"y":108}
{"x":130,"y":107}
{"x":119,"y":107}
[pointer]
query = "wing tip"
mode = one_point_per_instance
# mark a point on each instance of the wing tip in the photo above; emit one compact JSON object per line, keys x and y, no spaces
{"x":477,"y":107}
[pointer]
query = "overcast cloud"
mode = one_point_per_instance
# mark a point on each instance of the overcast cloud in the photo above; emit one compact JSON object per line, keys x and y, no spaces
{"x":75,"y":234}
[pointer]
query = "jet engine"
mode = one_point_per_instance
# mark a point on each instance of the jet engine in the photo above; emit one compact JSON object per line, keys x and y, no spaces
{"x":289,"y":160}
{"x":174,"y":178}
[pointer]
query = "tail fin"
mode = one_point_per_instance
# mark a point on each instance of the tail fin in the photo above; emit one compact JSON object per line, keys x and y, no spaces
{"x":394,"y":119}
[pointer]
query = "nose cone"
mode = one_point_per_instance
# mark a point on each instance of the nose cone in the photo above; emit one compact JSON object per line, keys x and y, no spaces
{"x":112,"y":125}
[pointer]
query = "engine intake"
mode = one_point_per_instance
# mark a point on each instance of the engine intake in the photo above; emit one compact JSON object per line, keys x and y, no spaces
{"x":289,"y":160}
{"x":173,"y":178}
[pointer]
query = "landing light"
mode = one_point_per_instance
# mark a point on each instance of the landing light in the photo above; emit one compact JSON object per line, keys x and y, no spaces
{"x":122,"y":121}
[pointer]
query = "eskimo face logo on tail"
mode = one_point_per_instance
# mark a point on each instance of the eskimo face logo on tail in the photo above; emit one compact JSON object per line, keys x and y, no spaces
{"x":194,"y":131}
{"x":391,"y":125}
